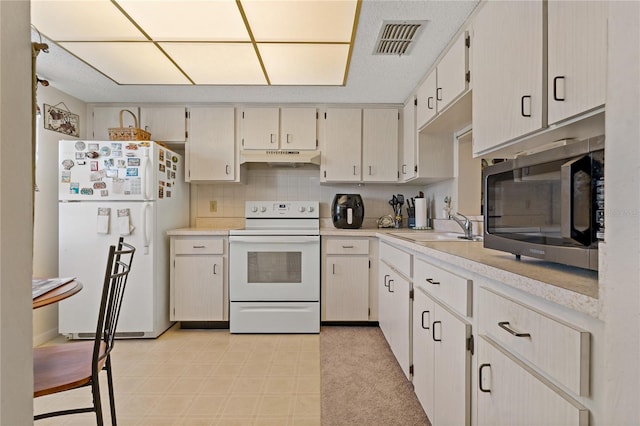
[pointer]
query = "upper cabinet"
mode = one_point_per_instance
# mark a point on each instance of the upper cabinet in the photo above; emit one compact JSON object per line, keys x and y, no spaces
{"x":446,"y":83}
{"x":408,"y":151}
{"x":279,"y":128}
{"x":165,"y":123}
{"x":211,"y":148}
{"x":380,"y":144}
{"x":537,"y":64}
{"x":577,"y":34}
{"x":507,"y":72}
{"x":104,"y":117}
{"x":360,"y":145}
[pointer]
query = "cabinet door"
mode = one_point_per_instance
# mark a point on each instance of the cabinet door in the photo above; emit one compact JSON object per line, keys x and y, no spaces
{"x":347,"y":287}
{"x":211,"y":144}
{"x":452,"y":398}
{"x":401,"y":321}
{"x":452,"y":73}
{"x":380,"y":145}
{"x":510,"y":394}
{"x":577,"y":37}
{"x":427,"y":103}
{"x":166,"y":124}
{"x":508,"y":69}
{"x":385,"y":299}
{"x":298,"y":128}
{"x":260,"y":128}
{"x":198,"y":288}
{"x":106,"y":117}
{"x":423,"y":351}
{"x":408,"y":152}
{"x":342,"y":151}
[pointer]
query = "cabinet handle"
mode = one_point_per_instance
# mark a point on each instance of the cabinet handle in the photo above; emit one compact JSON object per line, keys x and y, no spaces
{"x":198,"y":246}
{"x":390,"y":291}
{"x":215,"y":269}
{"x":482,"y":366}
{"x":425,"y":312}
{"x":522,"y":106}
{"x":431,"y":281}
{"x":333,"y":268}
{"x":555,"y":88}
{"x":227,"y":169}
{"x":433,"y":331}
{"x":386,"y":277}
{"x":347,"y":247}
{"x":369,"y":170}
{"x":404,"y":169}
{"x":505,"y":326}
{"x":354,"y":170}
{"x":288,"y":137}
{"x":272,"y":138}
{"x":429,"y":102}
{"x":439,"y":94}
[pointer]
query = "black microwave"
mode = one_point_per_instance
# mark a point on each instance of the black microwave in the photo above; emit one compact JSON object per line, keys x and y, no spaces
{"x":548,"y":205}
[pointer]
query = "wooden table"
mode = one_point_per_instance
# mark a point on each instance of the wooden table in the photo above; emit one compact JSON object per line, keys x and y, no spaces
{"x":57,"y":294}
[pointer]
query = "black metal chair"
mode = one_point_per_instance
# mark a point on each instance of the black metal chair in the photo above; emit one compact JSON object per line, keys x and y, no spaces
{"x":68,"y":366}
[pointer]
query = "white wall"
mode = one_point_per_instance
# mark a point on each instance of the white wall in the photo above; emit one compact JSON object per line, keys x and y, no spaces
{"x":45,"y":239}
{"x":16,"y":364}
{"x":619,"y":262}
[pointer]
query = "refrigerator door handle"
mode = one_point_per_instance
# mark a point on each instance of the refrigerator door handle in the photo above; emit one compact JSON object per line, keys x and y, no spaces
{"x":146,"y":237}
{"x":146,"y":179}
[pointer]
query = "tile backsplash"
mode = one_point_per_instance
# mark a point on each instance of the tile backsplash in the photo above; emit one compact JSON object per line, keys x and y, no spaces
{"x":222,"y":204}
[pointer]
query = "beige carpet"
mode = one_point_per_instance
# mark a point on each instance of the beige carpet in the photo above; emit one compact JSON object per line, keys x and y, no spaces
{"x":361,"y":381}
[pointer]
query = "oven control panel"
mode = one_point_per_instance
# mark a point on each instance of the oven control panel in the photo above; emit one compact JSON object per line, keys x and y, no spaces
{"x":280,"y":209}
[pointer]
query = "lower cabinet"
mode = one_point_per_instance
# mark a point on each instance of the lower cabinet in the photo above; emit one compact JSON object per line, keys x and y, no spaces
{"x":394,"y":314}
{"x":510,"y":393}
{"x":346,"y":280}
{"x":441,"y":361}
{"x":198,"y":278}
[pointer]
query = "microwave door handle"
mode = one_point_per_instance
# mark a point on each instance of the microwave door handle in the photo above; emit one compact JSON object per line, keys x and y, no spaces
{"x":575,"y":190}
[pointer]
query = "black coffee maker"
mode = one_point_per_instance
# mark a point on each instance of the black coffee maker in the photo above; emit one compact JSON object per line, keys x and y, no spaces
{"x":347,"y":211}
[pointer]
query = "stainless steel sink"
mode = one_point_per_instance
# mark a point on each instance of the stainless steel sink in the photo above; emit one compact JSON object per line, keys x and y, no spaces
{"x":420,"y":236}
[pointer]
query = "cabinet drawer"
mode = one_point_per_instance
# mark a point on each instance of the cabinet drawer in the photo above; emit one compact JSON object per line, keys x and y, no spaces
{"x":452,"y":289}
{"x":335,"y":246}
{"x":396,"y":258}
{"x":199,"y":246}
{"x":559,"y":349}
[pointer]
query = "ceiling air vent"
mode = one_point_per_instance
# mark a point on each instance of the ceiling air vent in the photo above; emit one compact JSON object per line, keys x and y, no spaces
{"x":396,"y":38}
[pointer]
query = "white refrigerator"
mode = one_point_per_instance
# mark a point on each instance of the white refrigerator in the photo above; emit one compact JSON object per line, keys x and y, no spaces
{"x":107,"y":189}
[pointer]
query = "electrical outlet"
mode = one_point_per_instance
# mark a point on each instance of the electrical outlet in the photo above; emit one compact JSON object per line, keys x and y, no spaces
{"x":213,"y":206}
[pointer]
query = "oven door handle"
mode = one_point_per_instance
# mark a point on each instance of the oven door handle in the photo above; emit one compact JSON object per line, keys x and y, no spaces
{"x":286,"y":239}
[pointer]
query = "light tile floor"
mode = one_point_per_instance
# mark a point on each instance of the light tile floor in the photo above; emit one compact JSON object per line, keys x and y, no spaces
{"x":205,"y":377}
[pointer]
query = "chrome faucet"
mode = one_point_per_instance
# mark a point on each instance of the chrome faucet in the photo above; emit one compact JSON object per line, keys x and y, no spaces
{"x":466,"y":225}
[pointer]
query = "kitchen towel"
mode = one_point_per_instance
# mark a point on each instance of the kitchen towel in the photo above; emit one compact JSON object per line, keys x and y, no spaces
{"x":421,"y":212}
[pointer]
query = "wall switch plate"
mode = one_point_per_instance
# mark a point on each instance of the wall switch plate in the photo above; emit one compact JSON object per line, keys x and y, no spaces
{"x":213,"y":206}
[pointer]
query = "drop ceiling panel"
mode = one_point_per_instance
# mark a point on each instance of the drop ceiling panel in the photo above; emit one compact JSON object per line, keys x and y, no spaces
{"x":129,"y":62}
{"x":188,"y":20}
{"x":305,"y":64}
{"x":302,"y":21}
{"x":217,"y":63}
{"x":95,"y":20}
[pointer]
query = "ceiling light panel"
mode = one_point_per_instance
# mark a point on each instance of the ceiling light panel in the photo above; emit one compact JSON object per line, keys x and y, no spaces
{"x":217,"y":63}
{"x":88,"y":20}
{"x":129,"y":62}
{"x":201,"y":20}
{"x":301,"y":21}
{"x":305,"y":64}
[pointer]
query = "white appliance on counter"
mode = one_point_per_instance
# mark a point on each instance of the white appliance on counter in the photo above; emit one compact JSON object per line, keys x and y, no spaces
{"x":107,"y":189}
{"x":274,"y":286}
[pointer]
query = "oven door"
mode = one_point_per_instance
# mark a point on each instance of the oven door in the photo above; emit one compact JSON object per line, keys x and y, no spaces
{"x":274,"y":268}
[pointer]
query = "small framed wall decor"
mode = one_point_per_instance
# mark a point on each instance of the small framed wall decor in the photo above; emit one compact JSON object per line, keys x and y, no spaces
{"x":61,"y":120}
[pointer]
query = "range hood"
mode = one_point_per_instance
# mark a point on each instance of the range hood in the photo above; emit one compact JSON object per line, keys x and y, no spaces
{"x":280,"y":157}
